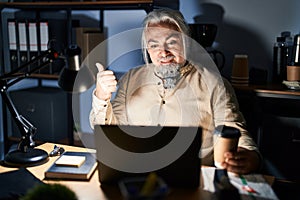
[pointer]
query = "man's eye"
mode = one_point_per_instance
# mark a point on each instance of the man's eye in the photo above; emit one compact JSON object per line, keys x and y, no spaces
{"x":153,"y":46}
{"x":172,"y":42}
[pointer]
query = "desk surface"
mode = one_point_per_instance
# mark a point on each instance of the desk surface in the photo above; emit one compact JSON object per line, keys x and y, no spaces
{"x":91,"y":190}
{"x":82,"y":188}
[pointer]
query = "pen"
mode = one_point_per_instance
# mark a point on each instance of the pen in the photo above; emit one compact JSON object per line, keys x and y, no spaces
{"x":245,"y":186}
{"x":149,"y":184}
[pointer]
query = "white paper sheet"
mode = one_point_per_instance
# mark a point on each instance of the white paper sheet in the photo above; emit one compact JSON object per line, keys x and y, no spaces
{"x":256,"y":181}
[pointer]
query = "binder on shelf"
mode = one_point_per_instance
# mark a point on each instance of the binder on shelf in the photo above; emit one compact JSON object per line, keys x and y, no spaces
{"x":28,"y":35}
{"x":23,"y":56}
{"x":43,"y":39}
{"x":44,"y":35}
{"x":33,"y":41}
{"x":12,"y":40}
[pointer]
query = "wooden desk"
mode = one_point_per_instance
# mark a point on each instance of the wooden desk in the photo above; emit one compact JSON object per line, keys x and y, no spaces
{"x":88,"y":190}
{"x":91,"y":190}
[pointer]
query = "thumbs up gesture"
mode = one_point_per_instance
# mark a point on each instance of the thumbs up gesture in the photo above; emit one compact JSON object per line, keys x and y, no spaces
{"x":106,"y":83}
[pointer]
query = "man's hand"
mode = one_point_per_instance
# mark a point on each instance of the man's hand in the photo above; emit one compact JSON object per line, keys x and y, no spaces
{"x":106,"y":83}
{"x":243,"y":161}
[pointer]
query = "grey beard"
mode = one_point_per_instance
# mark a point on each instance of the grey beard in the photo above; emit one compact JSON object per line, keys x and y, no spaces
{"x":169,"y":74}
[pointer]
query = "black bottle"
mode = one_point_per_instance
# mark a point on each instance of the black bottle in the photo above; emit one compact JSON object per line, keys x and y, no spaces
{"x":296,"y":51}
{"x":280,"y":58}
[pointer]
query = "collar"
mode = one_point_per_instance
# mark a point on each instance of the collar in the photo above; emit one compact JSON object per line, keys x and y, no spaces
{"x":185,"y":69}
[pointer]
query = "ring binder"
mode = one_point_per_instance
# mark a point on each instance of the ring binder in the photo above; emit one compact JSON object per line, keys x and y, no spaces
{"x":43,"y":39}
{"x":12,"y":38}
{"x":33,"y":41}
{"x":23,"y":58}
{"x":27,"y":34}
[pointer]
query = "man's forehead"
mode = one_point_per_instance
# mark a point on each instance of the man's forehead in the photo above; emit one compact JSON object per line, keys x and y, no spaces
{"x":161,"y":32}
{"x":164,"y":28}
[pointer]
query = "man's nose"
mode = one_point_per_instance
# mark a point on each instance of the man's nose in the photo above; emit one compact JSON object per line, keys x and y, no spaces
{"x":164,"y":50}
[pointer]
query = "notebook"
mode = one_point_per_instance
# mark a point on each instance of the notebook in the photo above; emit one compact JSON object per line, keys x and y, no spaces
{"x":135,"y":151}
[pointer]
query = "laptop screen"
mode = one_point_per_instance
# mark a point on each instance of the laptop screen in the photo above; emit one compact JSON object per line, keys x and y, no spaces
{"x":132,"y":151}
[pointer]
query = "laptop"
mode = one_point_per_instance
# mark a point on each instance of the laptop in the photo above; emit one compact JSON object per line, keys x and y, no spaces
{"x":134,"y":151}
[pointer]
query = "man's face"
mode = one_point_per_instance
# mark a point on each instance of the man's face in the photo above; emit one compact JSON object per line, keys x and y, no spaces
{"x":164,"y":45}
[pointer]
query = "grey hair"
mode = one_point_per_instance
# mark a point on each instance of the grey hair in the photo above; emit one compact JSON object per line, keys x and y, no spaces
{"x":169,"y":16}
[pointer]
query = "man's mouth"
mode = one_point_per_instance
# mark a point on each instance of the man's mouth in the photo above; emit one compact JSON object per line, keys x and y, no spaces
{"x":167,"y":60}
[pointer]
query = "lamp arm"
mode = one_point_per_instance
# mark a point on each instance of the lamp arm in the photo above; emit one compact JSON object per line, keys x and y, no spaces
{"x":25,"y":127}
{"x":14,"y":76}
{"x":30,"y":129}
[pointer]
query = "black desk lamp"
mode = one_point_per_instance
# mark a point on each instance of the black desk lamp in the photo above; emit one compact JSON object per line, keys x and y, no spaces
{"x":26,"y":154}
{"x":75,"y":78}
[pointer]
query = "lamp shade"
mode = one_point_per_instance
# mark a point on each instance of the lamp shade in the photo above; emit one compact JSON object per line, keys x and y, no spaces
{"x":75,"y":78}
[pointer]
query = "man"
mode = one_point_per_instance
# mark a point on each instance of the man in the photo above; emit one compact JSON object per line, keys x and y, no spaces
{"x":174,"y":88}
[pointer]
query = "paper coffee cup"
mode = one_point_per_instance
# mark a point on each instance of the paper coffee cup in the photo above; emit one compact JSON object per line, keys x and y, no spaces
{"x":293,"y":73}
{"x":240,"y":66}
{"x":225,"y":139}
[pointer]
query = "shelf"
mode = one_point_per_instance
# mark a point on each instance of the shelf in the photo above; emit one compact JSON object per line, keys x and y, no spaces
{"x":83,"y":5}
{"x":270,"y":90}
{"x":68,"y":6}
{"x":101,"y":6}
{"x":45,"y":76}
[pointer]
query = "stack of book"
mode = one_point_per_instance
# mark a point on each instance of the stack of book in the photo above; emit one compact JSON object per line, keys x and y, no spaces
{"x":73,"y":165}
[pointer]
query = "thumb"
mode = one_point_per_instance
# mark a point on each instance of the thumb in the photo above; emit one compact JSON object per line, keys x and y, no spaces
{"x":99,"y":67}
